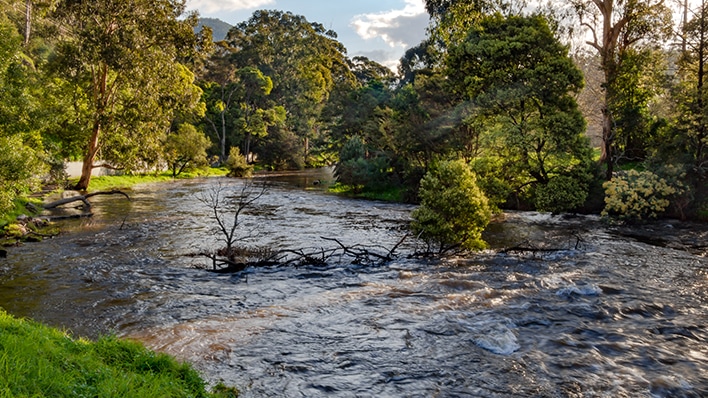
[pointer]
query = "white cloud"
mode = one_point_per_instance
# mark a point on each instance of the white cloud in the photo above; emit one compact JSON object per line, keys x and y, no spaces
{"x":212,"y":6}
{"x":398,"y":28}
{"x":389,"y":59}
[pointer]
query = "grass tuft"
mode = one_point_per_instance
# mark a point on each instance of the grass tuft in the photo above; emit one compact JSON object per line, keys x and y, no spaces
{"x":38,"y":361}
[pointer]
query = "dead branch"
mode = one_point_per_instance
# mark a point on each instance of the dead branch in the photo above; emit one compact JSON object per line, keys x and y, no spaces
{"x":64,"y":201}
{"x":69,"y":216}
{"x":529,"y":247}
{"x":235,"y":258}
{"x":83,"y":198}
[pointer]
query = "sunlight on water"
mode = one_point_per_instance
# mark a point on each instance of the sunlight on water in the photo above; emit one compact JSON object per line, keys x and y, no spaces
{"x":614,"y":318}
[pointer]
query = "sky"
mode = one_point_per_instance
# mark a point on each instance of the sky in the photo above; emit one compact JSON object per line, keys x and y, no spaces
{"x":381,"y":30}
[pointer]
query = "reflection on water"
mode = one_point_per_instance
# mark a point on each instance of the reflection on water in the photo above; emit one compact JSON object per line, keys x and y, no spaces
{"x":615,"y":318}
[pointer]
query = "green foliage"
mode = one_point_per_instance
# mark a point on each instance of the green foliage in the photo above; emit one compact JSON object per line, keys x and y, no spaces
{"x":186,"y":147}
{"x":638,"y":195}
{"x":237,"y":164}
{"x":122,"y":61}
{"x":21,"y":155}
{"x":561,"y":193}
{"x":39,"y":361}
{"x":352,"y":167}
{"x":19,"y":170}
{"x":303,"y":59}
{"x":359,"y":171}
{"x":281,"y":150}
{"x":522,"y":83}
{"x":453,"y":211}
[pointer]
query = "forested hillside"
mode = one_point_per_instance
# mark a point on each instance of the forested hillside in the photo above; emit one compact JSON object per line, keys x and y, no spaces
{"x":219,"y":28}
{"x":510,"y":91}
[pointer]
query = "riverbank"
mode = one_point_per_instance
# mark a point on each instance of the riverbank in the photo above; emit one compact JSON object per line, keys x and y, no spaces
{"x":19,"y":224}
{"x":37,"y":360}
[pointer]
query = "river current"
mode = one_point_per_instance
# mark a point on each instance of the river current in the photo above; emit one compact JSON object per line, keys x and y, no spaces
{"x":594,"y":314}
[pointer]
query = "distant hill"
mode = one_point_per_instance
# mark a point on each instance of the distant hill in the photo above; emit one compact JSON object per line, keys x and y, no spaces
{"x":219,"y":28}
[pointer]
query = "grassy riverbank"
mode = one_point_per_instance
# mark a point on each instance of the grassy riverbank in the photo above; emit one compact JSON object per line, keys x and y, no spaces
{"x":104,"y":183}
{"x":393,"y":194}
{"x":36,"y":360}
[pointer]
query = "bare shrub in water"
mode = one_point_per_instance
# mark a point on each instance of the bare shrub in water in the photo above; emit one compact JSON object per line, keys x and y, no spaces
{"x":227,"y":208}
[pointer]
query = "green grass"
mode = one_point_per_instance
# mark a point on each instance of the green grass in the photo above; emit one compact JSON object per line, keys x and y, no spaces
{"x":38,"y":361}
{"x":105,"y":183}
{"x":393,"y":194}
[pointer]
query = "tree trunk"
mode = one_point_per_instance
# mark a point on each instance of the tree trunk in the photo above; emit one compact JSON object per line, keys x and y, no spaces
{"x":247,"y":148}
{"x":223,"y":137}
{"x":89,"y":157}
{"x":606,"y":156}
{"x":28,"y":21}
{"x":102,"y":95}
{"x":699,"y":87}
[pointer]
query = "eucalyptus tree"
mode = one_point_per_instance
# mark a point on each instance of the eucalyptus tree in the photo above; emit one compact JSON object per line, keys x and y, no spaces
{"x":452,"y":19}
{"x":522,"y":84}
{"x":352,"y":107}
{"x":122,"y":59}
{"x":257,"y":113}
{"x":220,"y":87}
{"x":616,"y":27}
{"x":303,"y":59}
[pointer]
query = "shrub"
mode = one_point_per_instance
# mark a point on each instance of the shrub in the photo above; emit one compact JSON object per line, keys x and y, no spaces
{"x":352,"y":167}
{"x":562,"y":193}
{"x":237,"y":164}
{"x":186,"y":148}
{"x":638,"y":195}
{"x":453,"y":211}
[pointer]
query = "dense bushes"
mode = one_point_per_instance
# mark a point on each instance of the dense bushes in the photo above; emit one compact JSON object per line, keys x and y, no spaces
{"x":561,"y":193}
{"x":357,"y":170}
{"x":453,"y":211}
{"x":237,"y":164}
{"x":638,"y":195}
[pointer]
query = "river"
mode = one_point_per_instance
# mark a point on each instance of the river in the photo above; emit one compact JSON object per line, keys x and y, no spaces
{"x":599,"y":315}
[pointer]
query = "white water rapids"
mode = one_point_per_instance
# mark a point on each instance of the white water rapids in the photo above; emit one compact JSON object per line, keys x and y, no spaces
{"x":607,"y":316}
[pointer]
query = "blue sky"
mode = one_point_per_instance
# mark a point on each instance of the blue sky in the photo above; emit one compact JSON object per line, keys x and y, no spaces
{"x":381,"y":30}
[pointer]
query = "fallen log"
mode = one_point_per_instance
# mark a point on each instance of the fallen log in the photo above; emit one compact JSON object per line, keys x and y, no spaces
{"x":82,"y":198}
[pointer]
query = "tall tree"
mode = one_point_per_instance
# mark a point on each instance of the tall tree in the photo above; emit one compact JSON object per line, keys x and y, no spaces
{"x":122,"y":59}
{"x":256,"y":112}
{"x":452,"y":19}
{"x":616,"y":26}
{"x":303,"y":59}
{"x":522,"y":83}
{"x":221,"y":87}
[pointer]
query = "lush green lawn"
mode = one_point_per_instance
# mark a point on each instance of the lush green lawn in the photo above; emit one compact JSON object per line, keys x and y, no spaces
{"x":38,"y":361}
{"x":394,"y":194}
{"x":104,"y":183}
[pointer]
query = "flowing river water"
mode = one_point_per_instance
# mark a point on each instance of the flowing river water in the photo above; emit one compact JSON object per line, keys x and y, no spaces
{"x":600,"y":315}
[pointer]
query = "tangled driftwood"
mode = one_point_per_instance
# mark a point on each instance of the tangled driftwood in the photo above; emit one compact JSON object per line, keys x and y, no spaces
{"x":236,"y":259}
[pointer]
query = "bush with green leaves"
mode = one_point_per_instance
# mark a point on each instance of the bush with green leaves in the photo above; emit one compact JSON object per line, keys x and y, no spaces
{"x":186,"y":148}
{"x":237,"y":164}
{"x":561,"y":193}
{"x":360,"y":172}
{"x":352,"y":167}
{"x":638,"y":195}
{"x":453,"y":211}
{"x":20,"y":167}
